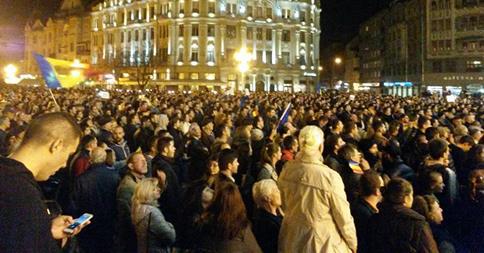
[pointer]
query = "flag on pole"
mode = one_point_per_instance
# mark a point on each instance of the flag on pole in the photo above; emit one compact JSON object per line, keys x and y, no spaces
{"x":284,"y":117}
{"x":59,"y":73}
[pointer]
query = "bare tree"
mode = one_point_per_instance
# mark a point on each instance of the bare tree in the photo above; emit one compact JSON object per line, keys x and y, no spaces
{"x":145,"y":66}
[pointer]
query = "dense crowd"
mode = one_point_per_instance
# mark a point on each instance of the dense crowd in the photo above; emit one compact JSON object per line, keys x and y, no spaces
{"x":212,"y":172}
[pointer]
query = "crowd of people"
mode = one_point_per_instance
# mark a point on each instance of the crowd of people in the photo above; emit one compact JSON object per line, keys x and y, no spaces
{"x":212,"y":172}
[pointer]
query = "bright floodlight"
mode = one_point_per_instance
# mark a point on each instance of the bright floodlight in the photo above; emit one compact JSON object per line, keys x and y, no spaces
{"x":10,"y":70}
{"x":75,"y":73}
{"x":337,"y":60}
{"x":243,"y":67}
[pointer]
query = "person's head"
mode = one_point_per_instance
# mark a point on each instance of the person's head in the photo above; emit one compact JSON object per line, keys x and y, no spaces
{"x":466,"y":142}
{"x":195,"y":131}
{"x":428,"y":206}
{"x":290,"y":143}
{"x":423,"y":123}
{"x":476,"y":184}
{"x":137,"y":164}
{"x":227,"y":161}
{"x":333,"y":144}
{"x":432,"y":133}
{"x":271,"y":153}
{"x":311,"y":139}
{"x":438,"y":149}
{"x":379,"y":127}
{"x":98,"y":155}
{"x":399,"y":192}
{"x":221,"y":131}
{"x":146,"y":192}
{"x":259,"y":122}
{"x":266,"y":194}
{"x":207,"y":126}
{"x":350,"y":152}
{"x":118,"y":134}
{"x":52,"y":137}
{"x":336,"y":126}
{"x":227,"y":212}
{"x":166,"y":147}
{"x":476,"y":133}
{"x":432,"y":182}
{"x":88,"y":142}
{"x":370,"y":184}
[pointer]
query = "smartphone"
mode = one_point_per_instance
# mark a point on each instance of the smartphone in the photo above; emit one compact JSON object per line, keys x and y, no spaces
{"x":78,"y":222}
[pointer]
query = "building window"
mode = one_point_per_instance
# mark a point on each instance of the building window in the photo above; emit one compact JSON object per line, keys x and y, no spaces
{"x":210,"y":76}
{"x":259,"y":12}
{"x":211,"y":30}
{"x":437,"y":67}
{"x":194,"y":76}
{"x":249,"y":11}
{"x":195,"y":6}
{"x":144,"y":34}
{"x":286,"y":58}
{"x":474,"y":66}
{"x":303,"y":16}
{"x":181,"y":76}
{"x":180,"y":54}
{"x":136,"y":35}
{"x":259,"y":56}
{"x":181,"y":30}
{"x":302,"y":37}
{"x":231,"y":32}
{"x":259,"y":33}
{"x":269,"y":57}
{"x":268,"y":34}
{"x":211,"y":53}
{"x":211,"y":7}
{"x":181,"y":7}
{"x":194,"y":49}
{"x":269,"y":13}
{"x":286,"y":36}
{"x":250,"y":33}
{"x":195,"y":30}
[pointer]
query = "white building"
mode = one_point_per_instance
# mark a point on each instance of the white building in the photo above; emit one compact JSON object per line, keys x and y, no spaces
{"x":191,"y":43}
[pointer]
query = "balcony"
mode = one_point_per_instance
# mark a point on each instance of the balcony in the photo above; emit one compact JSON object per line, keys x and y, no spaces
{"x":475,"y":33}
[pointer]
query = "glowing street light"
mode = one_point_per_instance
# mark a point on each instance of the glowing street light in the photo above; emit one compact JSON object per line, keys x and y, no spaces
{"x":320,"y":68}
{"x":338,"y":60}
{"x":10,"y":70}
{"x":243,"y":57}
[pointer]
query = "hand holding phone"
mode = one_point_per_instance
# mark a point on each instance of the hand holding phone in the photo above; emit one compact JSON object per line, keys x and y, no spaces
{"x":79,"y":222}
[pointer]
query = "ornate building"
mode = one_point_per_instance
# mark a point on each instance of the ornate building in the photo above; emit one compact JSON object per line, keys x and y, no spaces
{"x":191,"y":43}
{"x":64,"y":36}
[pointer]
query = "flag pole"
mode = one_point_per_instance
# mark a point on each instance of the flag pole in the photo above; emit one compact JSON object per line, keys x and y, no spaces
{"x":53,"y":98}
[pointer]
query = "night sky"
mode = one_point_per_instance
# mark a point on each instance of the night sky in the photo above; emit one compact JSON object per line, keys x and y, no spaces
{"x":339,"y":21}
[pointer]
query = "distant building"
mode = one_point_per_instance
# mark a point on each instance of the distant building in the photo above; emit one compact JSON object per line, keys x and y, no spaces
{"x":352,"y":64}
{"x":191,"y":43}
{"x":433,"y":45}
{"x":64,"y":36}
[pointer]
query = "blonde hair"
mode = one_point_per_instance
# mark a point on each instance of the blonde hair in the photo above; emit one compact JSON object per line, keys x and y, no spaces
{"x":263,"y":191}
{"x":311,"y":138}
{"x":145,"y":193}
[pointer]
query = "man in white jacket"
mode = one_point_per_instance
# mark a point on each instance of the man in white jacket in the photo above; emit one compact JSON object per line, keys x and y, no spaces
{"x":317,"y":214}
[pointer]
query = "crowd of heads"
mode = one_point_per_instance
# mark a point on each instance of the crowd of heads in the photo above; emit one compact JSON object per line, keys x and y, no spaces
{"x":388,"y":147}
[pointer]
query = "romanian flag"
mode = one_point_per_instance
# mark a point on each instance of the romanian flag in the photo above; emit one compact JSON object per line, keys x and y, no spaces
{"x":61,"y":73}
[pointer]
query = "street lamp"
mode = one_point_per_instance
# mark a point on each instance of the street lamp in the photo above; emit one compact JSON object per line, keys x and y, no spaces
{"x":243,"y":57}
{"x":10,"y":74}
{"x":338,"y":60}
{"x":10,"y":70}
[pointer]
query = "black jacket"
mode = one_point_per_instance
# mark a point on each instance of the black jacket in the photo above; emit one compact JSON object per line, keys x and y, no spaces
{"x":171,"y":196}
{"x":24,"y":221}
{"x":362,"y":212}
{"x":398,"y":229}
{"x":266,"y":230}
{"x":95,"y":193}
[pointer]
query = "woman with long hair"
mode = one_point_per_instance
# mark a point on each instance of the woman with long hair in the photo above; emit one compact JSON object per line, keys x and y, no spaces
{"x":271,"y":154}
{"x":154,"y":234}
{"x":225,"y":226}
